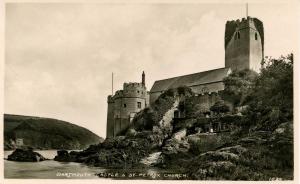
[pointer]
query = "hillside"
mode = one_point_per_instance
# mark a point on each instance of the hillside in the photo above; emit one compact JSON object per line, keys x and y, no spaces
{"x":46,"y":133}
{"x":253,"y":141}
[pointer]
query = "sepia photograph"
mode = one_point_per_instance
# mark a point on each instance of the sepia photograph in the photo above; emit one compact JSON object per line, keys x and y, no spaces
{"x":150,"y":91}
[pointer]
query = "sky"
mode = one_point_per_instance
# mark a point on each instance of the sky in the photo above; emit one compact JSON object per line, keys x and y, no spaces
{"x":59,"y":57}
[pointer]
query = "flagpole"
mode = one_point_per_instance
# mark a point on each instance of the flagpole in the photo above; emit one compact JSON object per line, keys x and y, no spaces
{"x":112,"y":83}
{"x":246,"y":10}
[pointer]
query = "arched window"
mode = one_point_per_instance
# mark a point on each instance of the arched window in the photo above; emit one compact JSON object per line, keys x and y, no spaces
{"x":255,"y":36}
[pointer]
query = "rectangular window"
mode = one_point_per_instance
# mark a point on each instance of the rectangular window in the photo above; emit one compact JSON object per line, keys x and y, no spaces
{"x":139,"y":105}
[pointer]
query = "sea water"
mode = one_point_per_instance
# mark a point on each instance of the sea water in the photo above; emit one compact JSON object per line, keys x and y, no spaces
{"x":48,"y":169}
{"x":51,"y":169}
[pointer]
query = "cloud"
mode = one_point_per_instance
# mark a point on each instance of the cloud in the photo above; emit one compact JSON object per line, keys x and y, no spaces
{"x":59,"y":57}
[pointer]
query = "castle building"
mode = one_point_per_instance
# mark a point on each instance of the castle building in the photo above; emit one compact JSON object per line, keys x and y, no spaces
{"x":123,"y":106}
{"x":244,"y":49}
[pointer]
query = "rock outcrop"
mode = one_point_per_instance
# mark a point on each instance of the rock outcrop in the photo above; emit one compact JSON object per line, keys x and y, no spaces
{"x":152,"y":159}
{"x":118,"y":152}
{"x":25,"y":155}
{"x":65,"y":156}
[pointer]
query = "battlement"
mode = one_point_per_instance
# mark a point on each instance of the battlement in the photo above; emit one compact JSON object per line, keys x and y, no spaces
{"x":133,"y":85}
{"x":110,"y":99}
{"x":137,"y":90}
{"x":236,"y":25}
{"x":118,"y":94}
{"x":249,"y":22}
{"x":243,"y":21}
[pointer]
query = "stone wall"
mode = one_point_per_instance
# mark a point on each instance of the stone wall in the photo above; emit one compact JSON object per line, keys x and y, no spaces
{"x":197,"y":89}
{"x":206,"y":100}
{"x":120,"y":124}
{"x":256,"y":54}
{"x":199,"y":106}
{"x":208,"y":88}
{"x":125,"y":106}
{"x":110,"y":117}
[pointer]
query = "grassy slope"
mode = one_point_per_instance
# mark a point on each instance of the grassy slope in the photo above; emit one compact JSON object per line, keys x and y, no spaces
{"x":47,"y":132}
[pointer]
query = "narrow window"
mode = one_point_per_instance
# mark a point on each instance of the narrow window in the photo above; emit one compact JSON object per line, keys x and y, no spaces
{"x":124,"y":105}
{"x":139,"y":105}
{"x":255,"y":36}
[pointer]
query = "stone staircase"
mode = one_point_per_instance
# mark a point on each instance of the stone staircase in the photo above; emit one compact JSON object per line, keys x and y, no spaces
{"x":164,"y":123}
{"x":169,"y":115}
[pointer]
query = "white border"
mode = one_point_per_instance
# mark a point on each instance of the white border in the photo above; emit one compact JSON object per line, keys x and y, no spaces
{"x":92,"y":181}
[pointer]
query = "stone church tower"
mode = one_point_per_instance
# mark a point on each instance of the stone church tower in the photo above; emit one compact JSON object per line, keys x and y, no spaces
{"x":244,"y":44}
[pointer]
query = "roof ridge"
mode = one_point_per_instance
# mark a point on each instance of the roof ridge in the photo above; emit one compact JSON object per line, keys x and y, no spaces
{"x":192,"y":74}
{"x":198,"y":78}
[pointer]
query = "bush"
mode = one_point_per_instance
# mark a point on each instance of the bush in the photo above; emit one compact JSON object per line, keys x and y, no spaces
{"x":272,"y":96}
{"x":146,"y":119}
{"x":230,"y":119}
{"x":184,"y":90}
{"x":238,"y":85}
{"x":220,"y":107}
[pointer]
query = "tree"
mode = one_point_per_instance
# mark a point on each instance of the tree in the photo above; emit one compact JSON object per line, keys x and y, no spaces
{"x":201,"y":110}
{"x":145,"y":119}
{"x":185,"y":91}
{"x":220,"y":107}
{"x":271,"y":100}
{"x":238,"y":85}
{"x":274,"y":86}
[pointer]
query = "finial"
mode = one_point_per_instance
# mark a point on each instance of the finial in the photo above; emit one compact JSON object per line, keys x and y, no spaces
{"x":143,"y":78}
